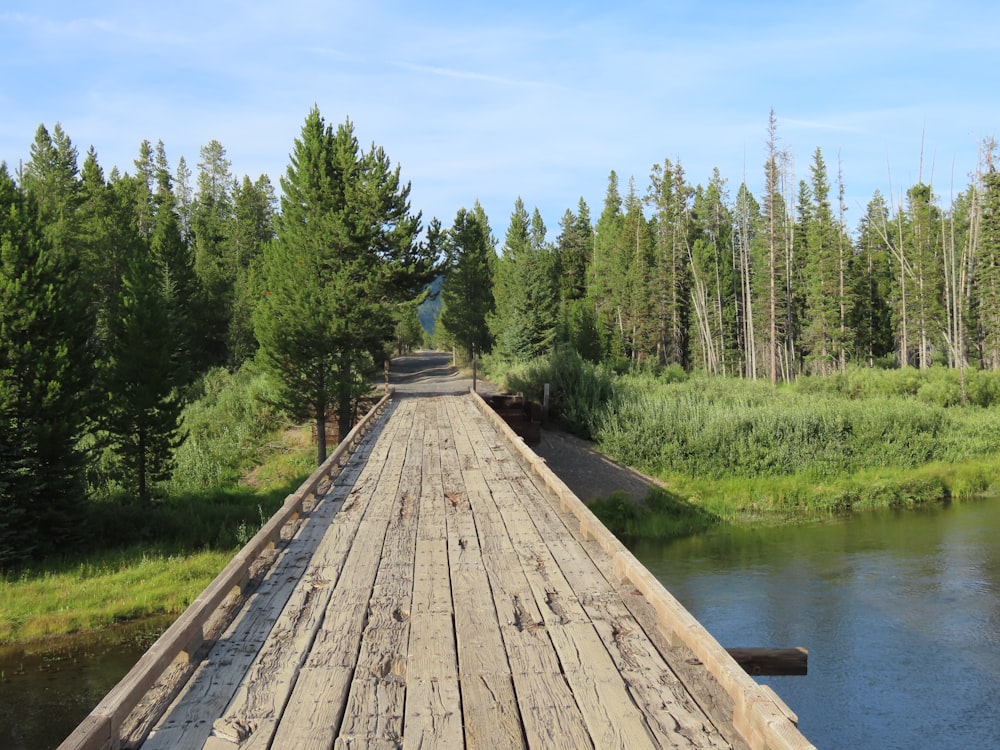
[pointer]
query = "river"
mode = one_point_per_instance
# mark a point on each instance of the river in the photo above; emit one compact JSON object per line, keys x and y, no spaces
{"x":47,"y":688}
{"x":900,"y":612}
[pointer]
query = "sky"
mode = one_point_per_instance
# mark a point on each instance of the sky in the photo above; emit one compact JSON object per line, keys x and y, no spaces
{"x":538,"y":100}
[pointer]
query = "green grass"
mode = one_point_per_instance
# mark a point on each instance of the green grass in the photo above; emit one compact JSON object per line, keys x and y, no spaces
{"x":103,"y":589}
{"x":239,"y":463}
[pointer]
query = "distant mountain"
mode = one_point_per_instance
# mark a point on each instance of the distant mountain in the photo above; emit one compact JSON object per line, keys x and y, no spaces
{"x":430,"y":308}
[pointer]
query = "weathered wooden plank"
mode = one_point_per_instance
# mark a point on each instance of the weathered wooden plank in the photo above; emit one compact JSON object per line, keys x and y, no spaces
{"x":549,"y":711}
{"x":239,"y":690}
{"x":433,"y":716}
{"x":607,"y":710}
{"x":573,"y":588}
{"x":754,"y":714}
{"x":316,"y":705}
{"x":489,"y":707}
{"x":374,"y":711}
{"x":672,"y":718}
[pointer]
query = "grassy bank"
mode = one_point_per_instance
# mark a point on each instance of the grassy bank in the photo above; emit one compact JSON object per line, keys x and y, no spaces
{"x":738,"y":451}
{"x":239,"y":463}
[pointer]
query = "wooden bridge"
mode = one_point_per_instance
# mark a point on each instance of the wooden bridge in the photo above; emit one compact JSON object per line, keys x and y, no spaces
{"x":434,"y":585}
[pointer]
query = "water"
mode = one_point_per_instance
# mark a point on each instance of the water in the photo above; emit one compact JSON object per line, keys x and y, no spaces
{"x":48,"y":688}
{"x":900,"y":613}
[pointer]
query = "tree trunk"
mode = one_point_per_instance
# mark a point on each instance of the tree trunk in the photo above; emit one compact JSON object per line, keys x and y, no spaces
{"x":320,"y":435}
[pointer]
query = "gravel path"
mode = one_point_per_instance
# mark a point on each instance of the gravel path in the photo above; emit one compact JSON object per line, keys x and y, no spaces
{"x":587,"y":472}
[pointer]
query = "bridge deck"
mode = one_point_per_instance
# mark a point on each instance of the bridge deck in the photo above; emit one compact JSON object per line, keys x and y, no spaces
{"x":436,"y":597}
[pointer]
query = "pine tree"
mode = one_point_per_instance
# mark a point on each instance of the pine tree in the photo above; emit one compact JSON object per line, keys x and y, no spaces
{"x":713,"y":275}
{"x":252,"y":230}
{"x":871,"y":314}
{"x":775,"y":240}
{"x":987,"y":266}
{"x":638,"y":314}
{"x":141,"y":376}
{"x":467,"y":292}
{"x":821,"y":272}
{"x":608,"y":273}
{"x":925,"y":280}
{"x":345,"y":252}
{"x":574,"y":251}
{"x":45,"y":324}
{"x":670,"y":197}
{"x":524,"y":322}
{"x":51,"y":177}
{"x":746,"y":241}
{"x":214,"y":261}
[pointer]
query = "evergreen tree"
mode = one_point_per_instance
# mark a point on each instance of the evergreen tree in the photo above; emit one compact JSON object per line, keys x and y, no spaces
{"x":747,"y":264}
{"x":822,"y":296}
{"x":713,"y":276}
{"x":775,"y":241}
{"x":987,"y":267}
{"x":45,"y":372}
{"x":467,"y":292}
{"x":670,"y":197}
{"x":51,"y":177}
{"x":638,"y":324}
{"x":922,"y":242}
{"x":871,"y":315}
{"x":345,"y":252}
{"x":524,"y":323}
{"x":172,"y":255}
{"x":252,"y":229}
{"x":141,"y":376}
{"x":214,"y":261}
{"x":574,"y":251}
{"x":608,"y":274}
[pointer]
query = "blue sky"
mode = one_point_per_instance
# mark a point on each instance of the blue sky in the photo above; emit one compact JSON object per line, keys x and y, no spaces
{"x":492,"y":101}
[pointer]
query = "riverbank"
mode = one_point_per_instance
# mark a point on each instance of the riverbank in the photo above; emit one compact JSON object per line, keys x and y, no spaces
{"x":161,"y":571}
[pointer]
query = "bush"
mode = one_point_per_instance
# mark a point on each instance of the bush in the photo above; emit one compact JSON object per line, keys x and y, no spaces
{"x":228,"y":426}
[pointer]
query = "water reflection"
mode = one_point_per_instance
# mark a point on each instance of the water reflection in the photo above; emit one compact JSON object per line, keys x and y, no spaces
{"x":47,"y":688}
{"x":900,"y":612}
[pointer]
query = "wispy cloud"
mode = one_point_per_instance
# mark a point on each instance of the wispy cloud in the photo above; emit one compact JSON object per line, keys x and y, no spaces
{"x":540,"y":100}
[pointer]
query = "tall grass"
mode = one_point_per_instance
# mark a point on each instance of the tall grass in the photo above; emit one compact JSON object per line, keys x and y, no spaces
{"x":744,"y":451}
{"x":717,"y":428}
{"x":578,"y":388}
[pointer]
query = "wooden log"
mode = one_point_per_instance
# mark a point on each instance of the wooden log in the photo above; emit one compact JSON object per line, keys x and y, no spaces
{"x":772,"y":661}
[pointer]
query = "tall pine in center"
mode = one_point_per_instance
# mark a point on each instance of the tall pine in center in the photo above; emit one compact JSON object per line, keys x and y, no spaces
{"x":345,"y":253}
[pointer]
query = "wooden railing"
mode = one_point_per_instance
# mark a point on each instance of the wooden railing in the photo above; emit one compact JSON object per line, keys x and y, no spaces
{"x":101,"y":730}
{"x":759,"y":715}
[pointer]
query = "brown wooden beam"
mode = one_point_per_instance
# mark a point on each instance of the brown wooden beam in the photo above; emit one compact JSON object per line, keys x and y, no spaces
{"x":772,"y":661}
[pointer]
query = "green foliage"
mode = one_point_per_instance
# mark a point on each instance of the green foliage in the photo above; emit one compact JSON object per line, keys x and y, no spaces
{"x":109,"y":587}
{"x":345,"y":251}
{"x":141,"y":378}
{"x":45,"y":367}
{"x":578,"y":388}
{"x":467,"y":292}
{"x":660,"y":515}
{"x":720,"y":428}
{"x":526,"y":289}
{"x":230,"y":425}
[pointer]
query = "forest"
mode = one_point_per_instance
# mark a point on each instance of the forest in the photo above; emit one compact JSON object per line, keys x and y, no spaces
{"x":125,"y":295}
{"x":772,"y":286}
